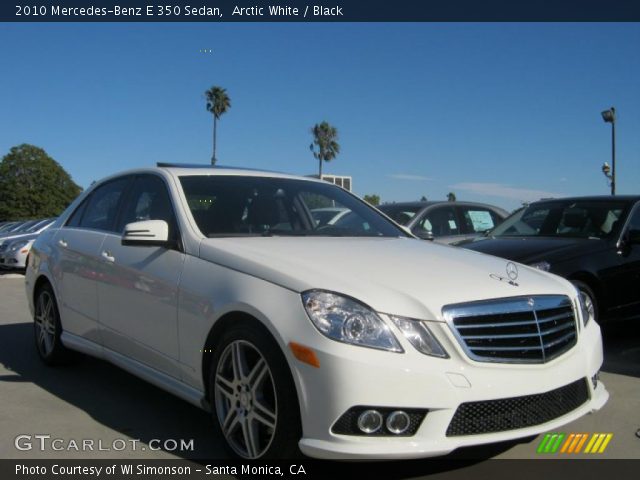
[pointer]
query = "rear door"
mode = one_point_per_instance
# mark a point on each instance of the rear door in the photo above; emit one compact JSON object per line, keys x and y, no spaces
{"x":77,"y":247}
{"x":137,"y":289}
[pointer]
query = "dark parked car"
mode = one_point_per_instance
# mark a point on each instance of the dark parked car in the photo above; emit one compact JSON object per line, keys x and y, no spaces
{"x":592,"y":241}
{"x":445,"y":222}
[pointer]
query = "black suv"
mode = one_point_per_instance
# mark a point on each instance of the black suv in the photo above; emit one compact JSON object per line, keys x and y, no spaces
{"x":592,"y":241}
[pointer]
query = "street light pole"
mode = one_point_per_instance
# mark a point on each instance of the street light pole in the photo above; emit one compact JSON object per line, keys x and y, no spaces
{"x":613,"y":152}
{"x":609,"y":116}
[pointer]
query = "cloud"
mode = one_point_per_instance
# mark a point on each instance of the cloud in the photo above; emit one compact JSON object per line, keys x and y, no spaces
{"x":408,"y":176}
{"x":505,"y":191}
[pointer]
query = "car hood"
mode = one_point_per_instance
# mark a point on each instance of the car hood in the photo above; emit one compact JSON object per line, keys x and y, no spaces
{"x":530,"y":249}
{"x":22,"y":236}
{"x":400,"y":276}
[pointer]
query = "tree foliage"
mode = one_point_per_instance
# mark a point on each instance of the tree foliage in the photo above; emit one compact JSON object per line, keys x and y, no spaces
{"x":33,"y":185}
{"x":218,"y":102}
{"x":325,"y":146}
{"x":451,"y":197}
{"x":372,"y":199}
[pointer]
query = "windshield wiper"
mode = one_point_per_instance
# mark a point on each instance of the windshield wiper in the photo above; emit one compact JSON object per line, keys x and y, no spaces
{"x":285,"y":233}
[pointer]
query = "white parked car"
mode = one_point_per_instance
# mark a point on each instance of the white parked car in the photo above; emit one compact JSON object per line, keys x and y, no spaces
{"x":14,"y":254}
{"x":345,"y":342}
{"x":14,"y":249}
{"x":27,"y":229}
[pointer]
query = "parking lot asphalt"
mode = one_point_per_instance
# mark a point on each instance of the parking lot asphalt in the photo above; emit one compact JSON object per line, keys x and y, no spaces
{"x":93,"y":400}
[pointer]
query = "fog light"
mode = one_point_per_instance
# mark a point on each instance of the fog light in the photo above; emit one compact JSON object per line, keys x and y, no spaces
{"x":594,"y":380}
{"x":398,"y":422}
{"x":370,"y":421}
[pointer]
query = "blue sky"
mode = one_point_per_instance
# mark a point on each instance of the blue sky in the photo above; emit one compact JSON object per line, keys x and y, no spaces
{"x":500,"y":113}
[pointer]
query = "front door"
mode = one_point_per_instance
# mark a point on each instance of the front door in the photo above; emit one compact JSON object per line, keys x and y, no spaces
{"x":138,"y":287}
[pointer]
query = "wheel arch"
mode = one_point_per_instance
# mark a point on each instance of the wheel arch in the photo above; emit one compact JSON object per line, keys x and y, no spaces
{"x":594,"y":284}
{"x":39,"y":283}
{"x":220,"y":326}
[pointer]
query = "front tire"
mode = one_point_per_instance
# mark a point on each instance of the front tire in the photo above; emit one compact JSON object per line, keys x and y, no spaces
{"x":254,"y":398}
{"x":47,"y":328}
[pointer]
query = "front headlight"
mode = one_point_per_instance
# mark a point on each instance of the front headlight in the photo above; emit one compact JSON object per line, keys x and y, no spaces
{"x":420,"y":336}
{"x":347,"y":320}
{"x":587,"y":308}
{"x":544,"y":266}
{"x":14,"y":247}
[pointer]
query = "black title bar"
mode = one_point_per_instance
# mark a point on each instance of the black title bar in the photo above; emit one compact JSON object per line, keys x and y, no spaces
{"x":322,"y":11}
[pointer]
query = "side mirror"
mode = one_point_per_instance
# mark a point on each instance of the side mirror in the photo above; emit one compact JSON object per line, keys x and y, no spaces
{"x":425,"y":235}
{"x":146,"y":233}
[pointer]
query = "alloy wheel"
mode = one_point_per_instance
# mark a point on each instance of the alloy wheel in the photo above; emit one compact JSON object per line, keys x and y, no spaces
{"x":45,"y":321}
{"x":245,"y":399}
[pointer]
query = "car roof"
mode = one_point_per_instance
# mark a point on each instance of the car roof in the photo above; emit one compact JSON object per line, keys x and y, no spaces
{"x":435,"y":202}
{"x":189,"y":169}
{"x":591,"y":198}
{"x":186,"y":169}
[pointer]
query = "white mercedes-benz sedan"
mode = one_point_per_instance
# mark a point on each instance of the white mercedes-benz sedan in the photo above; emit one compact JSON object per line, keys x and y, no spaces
{"x":343,"y":340}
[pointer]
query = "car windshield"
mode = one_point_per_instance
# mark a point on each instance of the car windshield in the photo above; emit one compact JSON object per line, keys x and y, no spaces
{"x":580,"y":219}
{"x":248,"y":206}
{"x":401,"y":214}
{"x":324,"y":216}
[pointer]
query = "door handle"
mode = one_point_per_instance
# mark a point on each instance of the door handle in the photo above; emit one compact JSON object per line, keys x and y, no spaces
{"x":106,"y":254}
{"x":63,"y":243}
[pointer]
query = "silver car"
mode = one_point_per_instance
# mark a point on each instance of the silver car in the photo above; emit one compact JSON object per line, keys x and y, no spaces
{"x":445,"y":222}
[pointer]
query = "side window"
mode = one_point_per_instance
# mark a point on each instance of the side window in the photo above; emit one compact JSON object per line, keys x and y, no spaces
{"x":634,"y":222}
{"x":148,"y":200}
{"x":477,"y":219}
{"x":102,"y":206}
{"x":76,"y":216}
{"x":441,"y":221}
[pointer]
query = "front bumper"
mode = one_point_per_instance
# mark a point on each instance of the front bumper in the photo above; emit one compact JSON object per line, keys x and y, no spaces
{"x":354,"y":376}
{"x":13,"y":260}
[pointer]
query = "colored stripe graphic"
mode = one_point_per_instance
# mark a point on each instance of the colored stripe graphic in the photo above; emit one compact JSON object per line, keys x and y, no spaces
{"x":543,"y":443}
{"x":581,"y":443}
{"x":551,"y":442}
{"x":598,"y":442}
{"x":573,"y":443}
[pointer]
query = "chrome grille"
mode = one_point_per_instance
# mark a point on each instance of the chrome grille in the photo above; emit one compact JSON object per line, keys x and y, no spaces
{"x":531,"y":329}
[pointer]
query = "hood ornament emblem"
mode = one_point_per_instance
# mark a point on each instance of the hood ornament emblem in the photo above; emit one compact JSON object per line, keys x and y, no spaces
{"x":512,"y":271}
{"x":512,"y":275}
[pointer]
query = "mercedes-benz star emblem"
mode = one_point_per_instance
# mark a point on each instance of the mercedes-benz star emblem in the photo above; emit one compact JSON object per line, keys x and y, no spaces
{"x":512,"y":271}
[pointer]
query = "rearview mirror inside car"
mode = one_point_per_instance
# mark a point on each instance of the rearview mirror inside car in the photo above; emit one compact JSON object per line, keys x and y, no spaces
{"x":146,"y":233}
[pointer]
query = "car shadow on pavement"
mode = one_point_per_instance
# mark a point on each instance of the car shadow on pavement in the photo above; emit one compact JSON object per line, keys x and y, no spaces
{"x":136,"y":409}
{"x":111,"y":396}
{"x":621,"y":343}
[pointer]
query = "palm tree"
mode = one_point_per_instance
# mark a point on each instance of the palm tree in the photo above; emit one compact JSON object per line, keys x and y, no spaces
{"x":325,"y":145}
{"x":218,"y":102}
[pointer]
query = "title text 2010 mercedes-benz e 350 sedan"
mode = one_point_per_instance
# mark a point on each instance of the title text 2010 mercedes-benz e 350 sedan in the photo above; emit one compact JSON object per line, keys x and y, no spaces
{"x":343,"y":340}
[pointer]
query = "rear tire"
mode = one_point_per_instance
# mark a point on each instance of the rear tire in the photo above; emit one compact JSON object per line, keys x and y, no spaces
{"x":47,"y":328}
{"x":589,"y":299}
{"x":255,"y":406}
